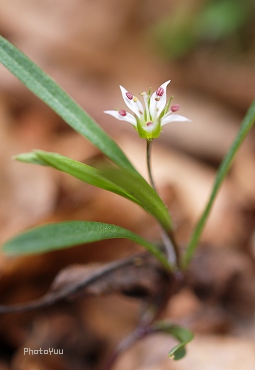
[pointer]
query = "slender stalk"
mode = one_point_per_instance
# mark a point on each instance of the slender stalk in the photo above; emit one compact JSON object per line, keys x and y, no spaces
{"x":139,"y":333}
{"x":182,"y":335}
{"x":55,"y":296}
{"x":170,"y":244}
{"x":149,"y":146}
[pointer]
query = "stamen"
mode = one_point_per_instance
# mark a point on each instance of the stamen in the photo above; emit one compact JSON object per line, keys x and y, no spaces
{"x":175,"y":108}
{"x":160,"y":91}
{"x":122,"y":112}
{"x":135,"y":99}
{"x":129,"y":95}
{"x":149,"y":123}
{"x":157,"y":99}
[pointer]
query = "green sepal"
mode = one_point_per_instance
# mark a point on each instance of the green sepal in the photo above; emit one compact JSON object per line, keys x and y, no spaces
{"x":143,"y":133}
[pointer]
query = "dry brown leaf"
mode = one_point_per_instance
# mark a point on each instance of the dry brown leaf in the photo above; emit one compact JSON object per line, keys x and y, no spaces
{"x":143,"y":278}
{"x":59,"y":331}
{"x":226,"y":276}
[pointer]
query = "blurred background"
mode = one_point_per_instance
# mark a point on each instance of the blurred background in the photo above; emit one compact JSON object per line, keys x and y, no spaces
{"x":207,"y":49}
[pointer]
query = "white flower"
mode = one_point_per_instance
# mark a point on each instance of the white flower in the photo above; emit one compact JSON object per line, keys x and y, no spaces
{"x":148,"y":121}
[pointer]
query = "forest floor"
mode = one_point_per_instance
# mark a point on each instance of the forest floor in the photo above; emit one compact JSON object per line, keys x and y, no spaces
{"x":89,"y":49}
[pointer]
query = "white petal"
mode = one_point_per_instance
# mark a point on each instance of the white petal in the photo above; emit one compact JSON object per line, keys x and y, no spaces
{"x":156,"y":106}
{"x":128,"y":117}
{"x":135,"y":106}
{"x":169,"y":117}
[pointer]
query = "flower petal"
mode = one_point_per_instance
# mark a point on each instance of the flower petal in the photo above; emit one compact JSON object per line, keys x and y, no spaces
{"x":158,"y":101}
{"x":128,"y":117}
{"x":169,"y":117}
{"x":134,"y":103}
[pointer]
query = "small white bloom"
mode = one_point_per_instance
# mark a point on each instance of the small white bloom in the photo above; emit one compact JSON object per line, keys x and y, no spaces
{"x":148,"y":120}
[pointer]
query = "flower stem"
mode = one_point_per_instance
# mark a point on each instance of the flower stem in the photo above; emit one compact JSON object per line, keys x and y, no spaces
{"x":149,"y":145}
{"x":171,"y":247}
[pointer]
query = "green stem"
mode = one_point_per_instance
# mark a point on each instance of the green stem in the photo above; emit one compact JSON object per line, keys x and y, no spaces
{"x":171,"y":247}
{"x":149,"y":145}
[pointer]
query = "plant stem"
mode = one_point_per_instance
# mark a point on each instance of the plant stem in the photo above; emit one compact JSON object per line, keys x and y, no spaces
{"x":171,"y":247}
{"x":149,"y":146}
{"x":139,"y":333}
{"x":70,"y":290}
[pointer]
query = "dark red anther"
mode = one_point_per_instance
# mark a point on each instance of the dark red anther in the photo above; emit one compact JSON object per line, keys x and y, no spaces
{"x":160,"y":91}
{"x":149,"y":123}
{"x":122,"y":112}
{"x":129,"y":95}
{"x":175,"y":107}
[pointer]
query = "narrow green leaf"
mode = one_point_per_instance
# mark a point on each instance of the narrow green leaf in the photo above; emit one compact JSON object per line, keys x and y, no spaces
{"x":61,"y":235}
{"x":184,"y":336}
{"x":246,"y":125}
{"x":122,"y":182}
{"x":55,"y":97}
{"x":81,"y":171}
{"x":48,"y":91}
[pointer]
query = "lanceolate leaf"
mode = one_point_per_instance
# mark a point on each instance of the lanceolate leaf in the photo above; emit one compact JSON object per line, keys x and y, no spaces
{"x":181,"y":334}
{"x":246,"y":125}
{"x":55,"y":97}
{"x":122,"y":182}
{"x":61,"y":235}
{"x":81,"y":171}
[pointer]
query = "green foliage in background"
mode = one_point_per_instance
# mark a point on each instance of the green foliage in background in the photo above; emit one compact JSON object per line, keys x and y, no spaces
{"x":189,"y":26}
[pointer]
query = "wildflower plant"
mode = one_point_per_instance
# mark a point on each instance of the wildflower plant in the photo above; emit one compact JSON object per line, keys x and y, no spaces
{"x":150,"y":119}
{"x":122,"y":179}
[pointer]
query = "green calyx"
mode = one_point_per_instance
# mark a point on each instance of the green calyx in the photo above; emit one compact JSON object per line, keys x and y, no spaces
{"x":148,"y":130}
